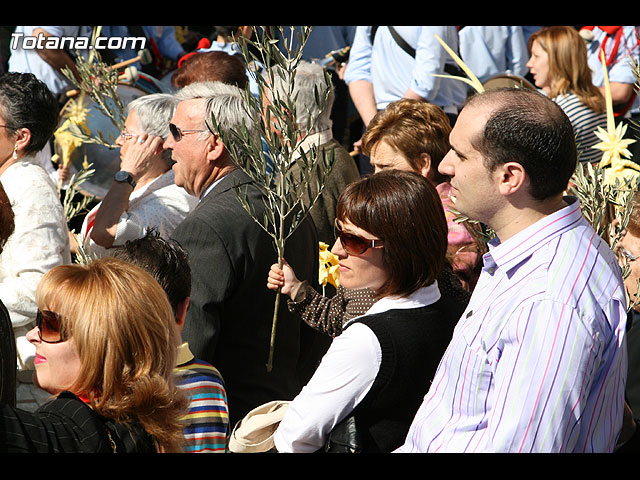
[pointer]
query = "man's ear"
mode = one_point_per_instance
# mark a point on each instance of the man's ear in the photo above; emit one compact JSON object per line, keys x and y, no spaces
{"x":215,"y":148}
{"x":512,"y":178}
{"x":181,"y":312}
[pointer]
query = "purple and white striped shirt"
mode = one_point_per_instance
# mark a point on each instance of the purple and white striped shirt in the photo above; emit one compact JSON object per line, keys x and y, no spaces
{"x":538,"y":361}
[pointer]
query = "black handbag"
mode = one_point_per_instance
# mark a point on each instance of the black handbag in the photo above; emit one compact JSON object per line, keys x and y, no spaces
{"x":344,"y":438}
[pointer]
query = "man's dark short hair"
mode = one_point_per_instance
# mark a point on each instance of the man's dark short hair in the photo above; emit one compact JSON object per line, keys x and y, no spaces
{"x":164,"y":259}
{"x":528,"y":128}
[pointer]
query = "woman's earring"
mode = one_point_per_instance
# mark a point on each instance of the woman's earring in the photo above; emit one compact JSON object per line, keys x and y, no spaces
{"x":15,"y":152}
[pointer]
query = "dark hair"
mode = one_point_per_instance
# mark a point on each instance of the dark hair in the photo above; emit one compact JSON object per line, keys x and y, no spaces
{"x":227,"y":30}
{"x":26,"y":102}
{"x":528,"y":128}
{"x":164,"y":259}
{"x":404,"y":210}
{"x":7,"y":224}
{"x":211,"y":66}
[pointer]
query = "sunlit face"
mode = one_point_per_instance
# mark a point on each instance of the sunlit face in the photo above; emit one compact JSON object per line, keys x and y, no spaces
{"x":538,"y":65}
{"x":190,"y":152}
{"x":57,"y":365}
{"x":385,"y":157}
{"x":360,"y":271}
{"x":628,"y":248}
{"x":473,"y":186}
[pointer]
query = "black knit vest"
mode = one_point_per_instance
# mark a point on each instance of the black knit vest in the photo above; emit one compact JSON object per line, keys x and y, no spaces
{"x":412,"y":343}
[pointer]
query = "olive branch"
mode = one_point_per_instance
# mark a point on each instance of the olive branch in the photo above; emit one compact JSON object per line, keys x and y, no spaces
{"x":268,"y":158}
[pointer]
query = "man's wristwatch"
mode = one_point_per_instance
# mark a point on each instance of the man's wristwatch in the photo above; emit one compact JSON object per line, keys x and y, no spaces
{"x":123,"y":176}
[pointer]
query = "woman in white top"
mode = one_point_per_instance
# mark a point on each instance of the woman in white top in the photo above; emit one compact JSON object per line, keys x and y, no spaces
{"x":559,"y":67}
{"x":28,"y":118}
{"x":143,"y":194}
{"x":392,"y":239}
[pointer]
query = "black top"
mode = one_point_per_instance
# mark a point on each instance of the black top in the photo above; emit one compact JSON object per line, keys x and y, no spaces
{"x":67,"y":425}
{"x":412,"y":343}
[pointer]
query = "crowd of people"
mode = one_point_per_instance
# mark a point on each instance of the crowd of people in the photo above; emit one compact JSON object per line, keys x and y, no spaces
{"x":475,"y":308}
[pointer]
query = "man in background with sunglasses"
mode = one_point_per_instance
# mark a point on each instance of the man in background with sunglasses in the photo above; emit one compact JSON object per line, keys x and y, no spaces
{"x":538,"y":360}
{"x":230,"y":317}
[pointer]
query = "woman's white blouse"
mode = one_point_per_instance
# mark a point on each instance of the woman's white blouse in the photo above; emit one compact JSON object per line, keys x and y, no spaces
{"x":160,"y":204}
{"x":342,"y":380}
{"x":39,"y":242}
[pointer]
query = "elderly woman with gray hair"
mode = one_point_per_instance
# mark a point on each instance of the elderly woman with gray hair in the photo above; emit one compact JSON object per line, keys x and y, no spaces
{"x":143,"y":194}
{"x":315,"y":126}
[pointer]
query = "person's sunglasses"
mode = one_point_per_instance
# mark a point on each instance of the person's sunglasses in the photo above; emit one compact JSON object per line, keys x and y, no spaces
{"x":353,"y":244}
{"x":177,"y":134}
{"x":49,"y":327}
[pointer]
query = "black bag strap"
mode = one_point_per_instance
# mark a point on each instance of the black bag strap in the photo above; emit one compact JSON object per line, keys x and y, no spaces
{"x":402,"y":43}
{"x":448,"y":67}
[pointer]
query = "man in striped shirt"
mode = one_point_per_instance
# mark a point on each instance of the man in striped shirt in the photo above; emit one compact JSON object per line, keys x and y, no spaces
{"x":538,"y":360}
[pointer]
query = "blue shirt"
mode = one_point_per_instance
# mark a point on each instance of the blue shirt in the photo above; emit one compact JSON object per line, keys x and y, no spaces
{"x":392,"y":71}
{"x":538,"y":361}
{"x":322,"y":40}
{"x":493,"y":50}
{"x":620,"y":69}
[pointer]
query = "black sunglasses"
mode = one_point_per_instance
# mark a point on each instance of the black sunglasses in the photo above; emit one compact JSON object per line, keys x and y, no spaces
{"x":353,"y":244}
{"x":177,"y":134}
{"x":49,"y":327}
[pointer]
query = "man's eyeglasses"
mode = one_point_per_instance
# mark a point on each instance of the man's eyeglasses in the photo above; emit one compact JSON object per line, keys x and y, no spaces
{"x":177,"y":133}
{"x":49,"y":327}
{"x":353,"y":244}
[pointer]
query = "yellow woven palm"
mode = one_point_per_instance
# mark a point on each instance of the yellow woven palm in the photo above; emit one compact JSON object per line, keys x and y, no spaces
{"x":616,"y":155}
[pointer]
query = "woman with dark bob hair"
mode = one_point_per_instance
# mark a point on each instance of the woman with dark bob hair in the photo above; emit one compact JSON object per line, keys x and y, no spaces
{"x":106,"y":351}
{"x":391,"y":239}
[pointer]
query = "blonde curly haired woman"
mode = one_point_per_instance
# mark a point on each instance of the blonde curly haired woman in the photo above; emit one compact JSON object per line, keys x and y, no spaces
{"x":106,"y":351}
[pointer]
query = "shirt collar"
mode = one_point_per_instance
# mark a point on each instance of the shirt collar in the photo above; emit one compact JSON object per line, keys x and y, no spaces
{"x":314,"y":139}
{"x":209,"y":188}
{"x":184,"y":354}
{"x":521,"y":246}
{"x":167,"y":178}
{"x":420,"y":298}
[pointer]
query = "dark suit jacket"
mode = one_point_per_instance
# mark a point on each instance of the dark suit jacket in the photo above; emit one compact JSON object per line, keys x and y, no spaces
{"x":230,"y":317}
